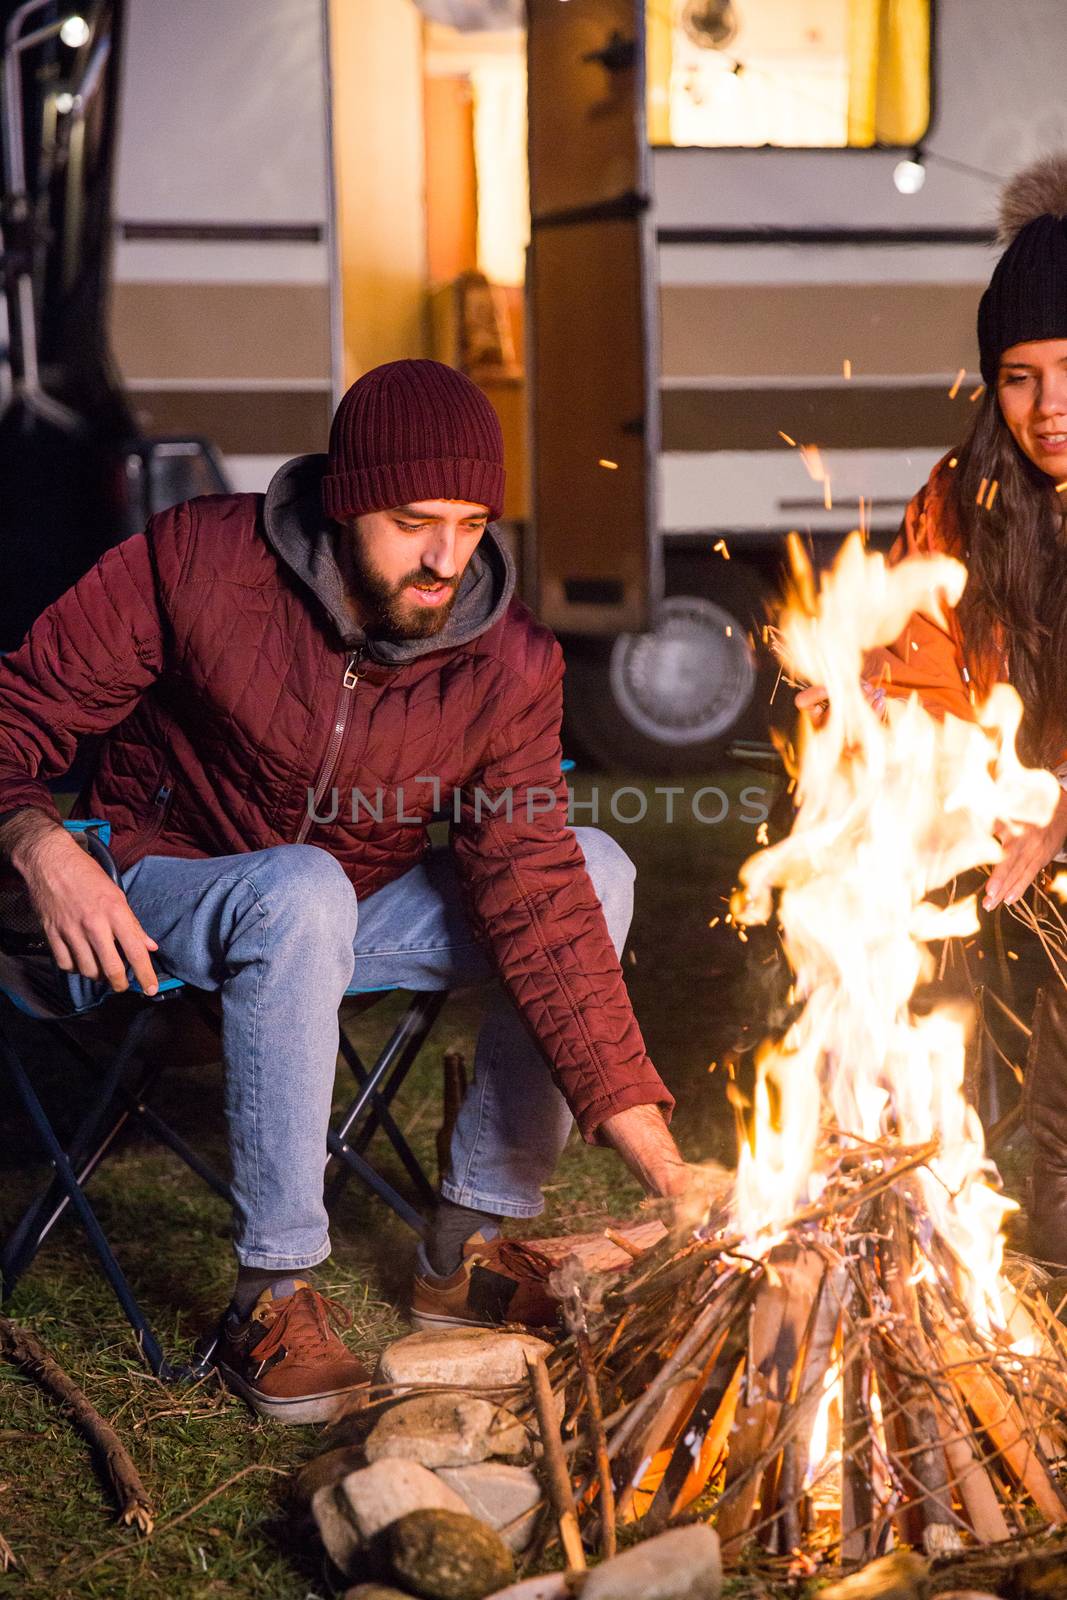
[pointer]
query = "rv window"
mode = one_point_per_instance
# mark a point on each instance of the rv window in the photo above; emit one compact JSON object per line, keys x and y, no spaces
{"x":827,"y":73}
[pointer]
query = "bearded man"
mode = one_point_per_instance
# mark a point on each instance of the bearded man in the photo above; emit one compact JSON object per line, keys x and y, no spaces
{"x":287,"y":688}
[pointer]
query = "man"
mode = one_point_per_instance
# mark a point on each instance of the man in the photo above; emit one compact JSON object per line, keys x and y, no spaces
{"x":288,"y":687}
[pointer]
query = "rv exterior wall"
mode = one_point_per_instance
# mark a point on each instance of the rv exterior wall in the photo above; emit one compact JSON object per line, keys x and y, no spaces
{"x":755,"y":333}
{"x":221,"y":300}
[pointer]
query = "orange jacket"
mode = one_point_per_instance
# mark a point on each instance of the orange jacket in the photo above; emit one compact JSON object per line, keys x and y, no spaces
{"x":928,"y":658}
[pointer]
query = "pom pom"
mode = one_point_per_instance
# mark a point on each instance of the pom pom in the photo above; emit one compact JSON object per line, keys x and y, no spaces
{"x":1039,"y":190}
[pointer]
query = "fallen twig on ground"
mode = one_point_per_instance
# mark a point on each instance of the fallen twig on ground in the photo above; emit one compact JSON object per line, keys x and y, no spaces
{"x":24,"y":1350}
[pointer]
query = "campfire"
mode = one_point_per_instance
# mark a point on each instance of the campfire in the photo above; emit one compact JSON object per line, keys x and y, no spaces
{"x":845,"y":1360}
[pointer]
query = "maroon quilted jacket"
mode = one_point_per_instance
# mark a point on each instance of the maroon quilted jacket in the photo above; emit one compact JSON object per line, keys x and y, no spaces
{"x":216,"y":654}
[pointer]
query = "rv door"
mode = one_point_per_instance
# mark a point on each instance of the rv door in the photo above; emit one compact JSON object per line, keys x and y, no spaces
{"x":592,"y":345}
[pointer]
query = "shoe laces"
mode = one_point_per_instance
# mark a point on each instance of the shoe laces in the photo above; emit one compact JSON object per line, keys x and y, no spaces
{"x":306,"y":1324}
{"x":513,"y":1257}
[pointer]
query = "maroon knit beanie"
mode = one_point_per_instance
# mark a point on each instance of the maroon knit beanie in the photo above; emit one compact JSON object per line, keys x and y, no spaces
{"x":413,"y":430}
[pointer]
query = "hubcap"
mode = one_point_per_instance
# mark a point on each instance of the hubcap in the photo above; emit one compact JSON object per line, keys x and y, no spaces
{"x":690,"y":678}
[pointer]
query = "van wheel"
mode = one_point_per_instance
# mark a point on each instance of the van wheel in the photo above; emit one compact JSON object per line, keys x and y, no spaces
{"x":671,"y":700}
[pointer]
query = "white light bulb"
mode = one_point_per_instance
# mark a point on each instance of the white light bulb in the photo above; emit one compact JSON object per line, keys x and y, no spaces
{"x":64,"y":103}
{"x":909,"y":176}
{"x":74,"y":32}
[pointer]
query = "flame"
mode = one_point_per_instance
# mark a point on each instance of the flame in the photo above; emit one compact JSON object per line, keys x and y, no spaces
{"x":892,"y":806}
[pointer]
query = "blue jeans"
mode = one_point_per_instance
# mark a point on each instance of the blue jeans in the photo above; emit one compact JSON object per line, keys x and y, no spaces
{"x":280,"y":935}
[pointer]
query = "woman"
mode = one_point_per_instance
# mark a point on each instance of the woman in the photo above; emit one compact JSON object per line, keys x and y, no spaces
{"x":998,"y":503}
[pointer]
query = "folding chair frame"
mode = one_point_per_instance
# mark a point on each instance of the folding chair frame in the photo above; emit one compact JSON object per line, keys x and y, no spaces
{"x":113,"y":1105}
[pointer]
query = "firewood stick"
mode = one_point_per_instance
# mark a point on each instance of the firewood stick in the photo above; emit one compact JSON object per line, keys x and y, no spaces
{"x":24,"y":1350}
{"x":557,"y":1478}
{"x":669,"y":1375}
{"x":599,"y":1442}
{"x":1003,"y":1422}
{"x":926,"y":1465}
{"x":971,"y":1482}
{"x":857,"y":1500}
{"x":453,"y":1088}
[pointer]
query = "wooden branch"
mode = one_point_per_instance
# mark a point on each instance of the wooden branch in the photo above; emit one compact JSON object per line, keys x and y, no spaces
{"x":599,"y":1441}
{"x":998,"y":1414}
{"x":25,"y":1351}
{"x":926,"y":1463}
{"x":557,"y":1478}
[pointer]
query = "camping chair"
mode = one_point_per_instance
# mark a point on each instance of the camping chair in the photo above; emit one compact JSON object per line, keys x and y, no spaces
{"x":31,"y":984}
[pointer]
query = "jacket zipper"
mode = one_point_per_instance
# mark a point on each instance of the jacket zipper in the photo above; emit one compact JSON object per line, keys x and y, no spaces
{"x":341,"y":714}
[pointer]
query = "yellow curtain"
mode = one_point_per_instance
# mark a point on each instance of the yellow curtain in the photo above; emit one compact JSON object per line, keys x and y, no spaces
{"x":659,"y":51}
{"x":889,"y":71}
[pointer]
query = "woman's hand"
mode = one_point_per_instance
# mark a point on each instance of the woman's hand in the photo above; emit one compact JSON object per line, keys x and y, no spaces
{"x":816,"y":700}
{"x":1026,"y":851}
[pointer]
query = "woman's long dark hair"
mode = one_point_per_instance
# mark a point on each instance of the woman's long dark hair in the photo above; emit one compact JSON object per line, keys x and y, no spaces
{"x":1014,"y":608}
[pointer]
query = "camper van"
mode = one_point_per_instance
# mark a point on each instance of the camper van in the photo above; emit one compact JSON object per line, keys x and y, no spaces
{"x":716,"y":263}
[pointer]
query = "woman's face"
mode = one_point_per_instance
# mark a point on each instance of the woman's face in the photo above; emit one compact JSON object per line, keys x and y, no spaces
{"x":1032,"y":390}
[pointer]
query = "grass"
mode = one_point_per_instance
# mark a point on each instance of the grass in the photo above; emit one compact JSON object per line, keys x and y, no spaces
{"x":172,"y":1236}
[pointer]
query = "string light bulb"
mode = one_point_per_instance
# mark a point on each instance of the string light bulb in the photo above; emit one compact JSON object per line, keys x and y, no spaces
{"x":910,"y":175}
{"x":74,"y":32}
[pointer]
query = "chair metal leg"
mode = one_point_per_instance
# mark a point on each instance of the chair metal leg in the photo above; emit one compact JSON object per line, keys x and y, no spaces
{"x":26,"y":1238}
{"x":353,"y":1162}
{"x":378,"y":1088}
{"x":66,"y":1175}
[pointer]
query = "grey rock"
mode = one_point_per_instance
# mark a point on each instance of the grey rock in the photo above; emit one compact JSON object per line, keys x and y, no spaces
{"x":378,"y":1494}
{"x":445,"y":1430}
{"x":375,"y":1591}
{"x":336,"y":1528}
{"x":682,"y":1564}
{"x":440,"y":1555}
{"x":506,"y":1498}
{"x":469,"y":1358}
{"x":330,"y":1467}
{"x":900,"y":1576}
{"x":552,"y":1586}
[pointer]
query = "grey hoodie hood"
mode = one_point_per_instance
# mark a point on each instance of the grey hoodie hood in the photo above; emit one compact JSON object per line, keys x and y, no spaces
{"x":300,"y":534}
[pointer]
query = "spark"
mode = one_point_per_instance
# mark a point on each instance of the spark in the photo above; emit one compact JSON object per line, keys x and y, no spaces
{"x":976,"y":392}
{"x":992,"y":495}
{"x":954,"y":391}
{"x":1061,"y":486}
{"x":788,"y":440}
{"x":714,"y":923}
{"x":827,"y":497}
{"x":846,"y":368}
{"x":720,"y":547}
{"x":729,"y":633}
{"x":953,"y":461}
{"x":761,"y":833}
{"x":612,"y":466}
{"x":980,"y":496}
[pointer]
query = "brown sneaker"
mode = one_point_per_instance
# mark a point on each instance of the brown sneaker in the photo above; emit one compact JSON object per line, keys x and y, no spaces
{"x":287,"y":1361}
{"x":499,"y":1281}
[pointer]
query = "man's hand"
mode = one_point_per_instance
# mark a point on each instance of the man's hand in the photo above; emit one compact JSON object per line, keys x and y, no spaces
{"x":646,"y":1145}
{"x":86,"y":918}
{"x":1026,"y":851}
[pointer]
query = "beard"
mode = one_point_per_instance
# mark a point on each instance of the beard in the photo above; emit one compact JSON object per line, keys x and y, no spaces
{"x":392,"y":616}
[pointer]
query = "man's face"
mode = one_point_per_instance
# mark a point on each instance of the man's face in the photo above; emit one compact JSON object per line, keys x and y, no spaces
{"x":405,"y":564}
{"x":1032,"y":390}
